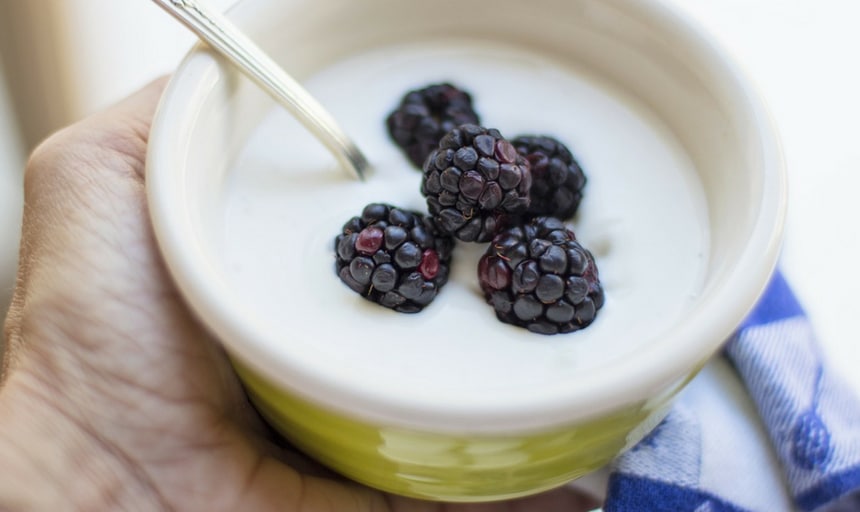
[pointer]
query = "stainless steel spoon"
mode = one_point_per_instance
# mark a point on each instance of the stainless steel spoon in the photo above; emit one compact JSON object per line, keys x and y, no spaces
{"x":224,"y":37}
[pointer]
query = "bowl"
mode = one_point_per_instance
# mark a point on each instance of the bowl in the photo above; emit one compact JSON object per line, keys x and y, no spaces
{"x":683,"y":211}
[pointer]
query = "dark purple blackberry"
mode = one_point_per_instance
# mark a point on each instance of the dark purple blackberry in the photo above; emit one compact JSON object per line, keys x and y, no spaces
{"x":539,"y":277}
{"x":394,"y":257}
{"x":475,"y":182}
{"x":557,"y":178}
{"x":425,"y":115}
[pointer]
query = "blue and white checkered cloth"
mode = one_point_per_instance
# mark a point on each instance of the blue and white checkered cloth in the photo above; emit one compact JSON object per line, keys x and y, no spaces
{"x":709,"y":456}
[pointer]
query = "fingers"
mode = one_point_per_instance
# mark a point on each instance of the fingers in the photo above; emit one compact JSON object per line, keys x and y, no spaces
{"x":94,"y":311}
{"x":87,"y":173}
{"x":83,"y":187}
{"x":84,"y":170}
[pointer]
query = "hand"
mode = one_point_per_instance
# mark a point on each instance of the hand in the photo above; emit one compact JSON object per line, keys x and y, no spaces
{"x":113,"y":397}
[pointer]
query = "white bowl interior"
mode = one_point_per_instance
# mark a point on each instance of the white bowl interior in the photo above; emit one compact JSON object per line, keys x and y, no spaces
{"x":636,"y":48}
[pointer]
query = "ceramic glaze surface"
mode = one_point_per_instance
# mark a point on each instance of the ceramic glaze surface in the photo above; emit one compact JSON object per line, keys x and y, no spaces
{"x":454,"y":468}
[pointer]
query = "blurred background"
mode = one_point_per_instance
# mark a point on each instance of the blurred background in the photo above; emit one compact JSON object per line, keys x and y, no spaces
{"x":64,"y":59}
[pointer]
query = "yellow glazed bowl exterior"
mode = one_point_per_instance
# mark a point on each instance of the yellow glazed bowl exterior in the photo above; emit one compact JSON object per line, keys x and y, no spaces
{"x":436,"y":466}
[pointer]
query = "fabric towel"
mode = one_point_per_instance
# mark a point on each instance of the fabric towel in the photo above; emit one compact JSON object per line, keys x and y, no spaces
{"x":765,"y":428}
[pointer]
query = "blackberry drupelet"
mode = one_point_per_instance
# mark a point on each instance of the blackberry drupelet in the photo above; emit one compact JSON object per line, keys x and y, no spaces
{"x":557,"y":178}
{"x":425,"y":115}
{"x":394,"y":257}
{"x":475,"y":183}
{"x":539,"y":277}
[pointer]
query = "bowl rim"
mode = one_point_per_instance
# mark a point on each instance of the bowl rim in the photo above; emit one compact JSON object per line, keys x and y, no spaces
{"x":644,"y":376}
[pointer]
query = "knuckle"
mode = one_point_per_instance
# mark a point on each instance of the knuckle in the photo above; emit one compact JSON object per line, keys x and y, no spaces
{"x":50,"y":160}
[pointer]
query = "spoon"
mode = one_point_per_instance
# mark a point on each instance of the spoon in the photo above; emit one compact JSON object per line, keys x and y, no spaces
{"x":224,"y":37}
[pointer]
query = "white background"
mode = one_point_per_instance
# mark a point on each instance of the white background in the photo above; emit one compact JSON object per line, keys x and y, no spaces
{"x":803,"y":55}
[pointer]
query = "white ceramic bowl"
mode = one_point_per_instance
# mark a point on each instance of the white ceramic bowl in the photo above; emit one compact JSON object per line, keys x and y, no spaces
{"x":684,"y":211}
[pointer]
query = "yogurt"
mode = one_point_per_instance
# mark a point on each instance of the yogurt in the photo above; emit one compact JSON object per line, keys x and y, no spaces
{"x":643,"y":216}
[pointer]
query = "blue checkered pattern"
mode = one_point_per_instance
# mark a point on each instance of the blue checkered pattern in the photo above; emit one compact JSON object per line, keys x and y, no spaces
{"x":811,"y":419}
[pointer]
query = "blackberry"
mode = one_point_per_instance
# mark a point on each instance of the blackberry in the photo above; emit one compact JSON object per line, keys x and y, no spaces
{"x":557,"y":178}
{"x":394,"y":257}
{"x":475,"y":182}
{"x":539,"y":277}
{"x":425,"y":115}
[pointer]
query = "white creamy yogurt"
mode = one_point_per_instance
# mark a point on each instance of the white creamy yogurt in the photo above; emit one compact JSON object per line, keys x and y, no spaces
{"x":643,"y":216}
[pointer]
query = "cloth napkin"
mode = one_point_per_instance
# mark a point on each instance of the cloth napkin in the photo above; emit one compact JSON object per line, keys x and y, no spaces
{"x":767,"y":427}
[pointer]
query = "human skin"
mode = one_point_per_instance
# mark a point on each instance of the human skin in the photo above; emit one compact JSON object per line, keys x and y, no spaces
{"x":113,"y":397}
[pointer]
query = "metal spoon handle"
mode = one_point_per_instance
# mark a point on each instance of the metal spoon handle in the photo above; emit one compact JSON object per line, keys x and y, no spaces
{"x":216,"y":30}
